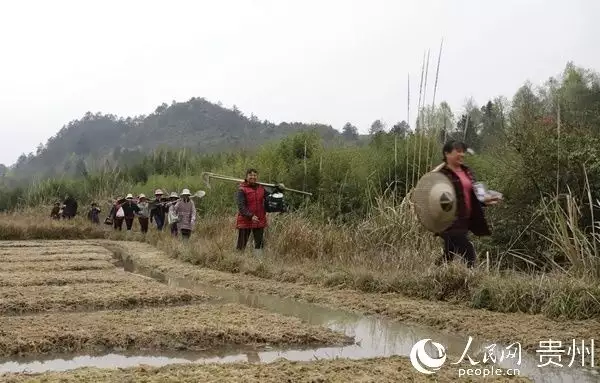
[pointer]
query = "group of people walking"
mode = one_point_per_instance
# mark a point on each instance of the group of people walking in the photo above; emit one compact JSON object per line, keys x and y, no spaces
{"x":176,"y":211}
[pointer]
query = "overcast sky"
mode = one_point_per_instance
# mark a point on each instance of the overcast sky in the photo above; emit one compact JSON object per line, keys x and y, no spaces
{"x":327,"y":61}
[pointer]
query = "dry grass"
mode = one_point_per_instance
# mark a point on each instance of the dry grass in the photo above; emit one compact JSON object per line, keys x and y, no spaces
{"x":46,"y":245}
{"x":27,"y":247}
{"x":387,"y":253}
{"x":194,"y":327}
{"x":54,"y":257}
{"x":56,"y":266}
{"x":394,"y":369}
{"x":29,"y":278}
{"x":23,"y":226}
{"x":555,"y":295}
{"x":452,"y":318}
{"x":93,"y":296}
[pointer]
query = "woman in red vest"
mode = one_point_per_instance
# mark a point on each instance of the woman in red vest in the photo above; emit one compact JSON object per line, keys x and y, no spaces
{"x":252,"y":215}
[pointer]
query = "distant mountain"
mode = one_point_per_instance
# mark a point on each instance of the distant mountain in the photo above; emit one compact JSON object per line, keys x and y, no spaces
{"x":97,"y":139}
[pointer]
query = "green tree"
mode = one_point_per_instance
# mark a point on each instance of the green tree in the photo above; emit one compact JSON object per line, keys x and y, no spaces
{"x":350,"y":132}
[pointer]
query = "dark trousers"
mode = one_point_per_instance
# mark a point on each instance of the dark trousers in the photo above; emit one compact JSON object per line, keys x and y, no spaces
{"x":185,"y":233}
{"x":159,"y":221}
{"x":244,"y":235}
{"x":174,"y":230}
{"x":129,"y":222}
{"x":118,"y":223}
{"x":458,"y":244}
{"x":144,"y":224}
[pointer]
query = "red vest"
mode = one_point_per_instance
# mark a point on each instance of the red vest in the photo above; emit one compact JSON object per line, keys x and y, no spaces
{"x":255,"y":202}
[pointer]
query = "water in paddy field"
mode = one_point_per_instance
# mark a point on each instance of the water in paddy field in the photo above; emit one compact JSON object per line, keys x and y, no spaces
{"x":374,"y":337}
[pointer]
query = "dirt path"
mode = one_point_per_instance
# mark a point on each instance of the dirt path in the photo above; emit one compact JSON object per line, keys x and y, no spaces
{"x":529,"y":330}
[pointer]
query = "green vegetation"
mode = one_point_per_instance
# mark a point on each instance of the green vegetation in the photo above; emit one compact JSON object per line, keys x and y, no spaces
{"x":359,"y":230}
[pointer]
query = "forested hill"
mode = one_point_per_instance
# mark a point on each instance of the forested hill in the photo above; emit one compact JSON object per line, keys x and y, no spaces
{"x":100,"y":139}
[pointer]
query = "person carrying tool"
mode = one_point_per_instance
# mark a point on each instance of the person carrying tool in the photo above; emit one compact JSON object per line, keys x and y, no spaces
{"x":251,"y":216}
{"x":144,"y":212}
{"x":159,"y":210}
{"x":469,"y":214}
{"x":130,"y":208}
{"x":172,"y":216}
{"x":186,"y":214}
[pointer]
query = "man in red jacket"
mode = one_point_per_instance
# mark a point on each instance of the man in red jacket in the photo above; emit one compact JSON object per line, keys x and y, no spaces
{"x":251,"y":216}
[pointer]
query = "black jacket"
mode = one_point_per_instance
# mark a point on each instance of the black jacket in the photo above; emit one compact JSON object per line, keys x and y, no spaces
{"x":70,"y":209}
{"x":476,"y":222}
{"x":130,"y":208}
{"x":159,"y":209}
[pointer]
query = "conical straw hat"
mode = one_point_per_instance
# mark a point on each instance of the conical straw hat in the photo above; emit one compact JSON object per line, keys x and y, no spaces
{"x":435,"y":202}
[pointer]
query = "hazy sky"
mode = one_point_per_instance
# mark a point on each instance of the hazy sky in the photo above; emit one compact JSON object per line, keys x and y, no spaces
{"x":328,"y":61}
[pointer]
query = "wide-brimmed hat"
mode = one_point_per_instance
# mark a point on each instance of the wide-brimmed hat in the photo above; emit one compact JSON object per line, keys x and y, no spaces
{"x":173,"y":195}
{"x":186,"y":192}
{"x":435,"y":201}
{"x":129,"y":196}
{"x":158,"y":192}
{"x":200,"y":194}
{"x":142,"y":196}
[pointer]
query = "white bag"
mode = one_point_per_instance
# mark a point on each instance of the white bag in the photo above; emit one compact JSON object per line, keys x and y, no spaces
{"x":172,"y":216}
{"x":120,"y":212}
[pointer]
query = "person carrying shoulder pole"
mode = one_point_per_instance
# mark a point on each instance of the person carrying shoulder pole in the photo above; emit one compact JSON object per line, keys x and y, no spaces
{"x":144,"y":212}
{"x":171,"y":215}
{"x":186,"y":214}
{"x":159,"y":210}
{"x":251,"y":216}
{"x":130,"y":209}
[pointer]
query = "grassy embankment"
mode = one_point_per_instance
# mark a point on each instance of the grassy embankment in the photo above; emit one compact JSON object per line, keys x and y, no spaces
{"x":334,"y":256}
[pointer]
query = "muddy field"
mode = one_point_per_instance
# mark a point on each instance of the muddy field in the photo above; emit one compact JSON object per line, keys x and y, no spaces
{"x":393,"y":369}
{"x":190,"y":327}
{"x":450,"y":318}
{"x":57,"y":299}
{"x":68,"y":277}
{"x":50,"y":309}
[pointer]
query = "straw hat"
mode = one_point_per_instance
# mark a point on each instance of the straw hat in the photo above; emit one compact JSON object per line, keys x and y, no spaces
{"x":142,"y":196}
{"x":186,"y":192}
{"x":173,"y":195}
{"x":435,"y":201}
{"x":129,"y":196}
{"x":158,"y":192}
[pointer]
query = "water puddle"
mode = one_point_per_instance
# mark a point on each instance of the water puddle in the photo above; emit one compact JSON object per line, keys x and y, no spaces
{"x":374,"y":337}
